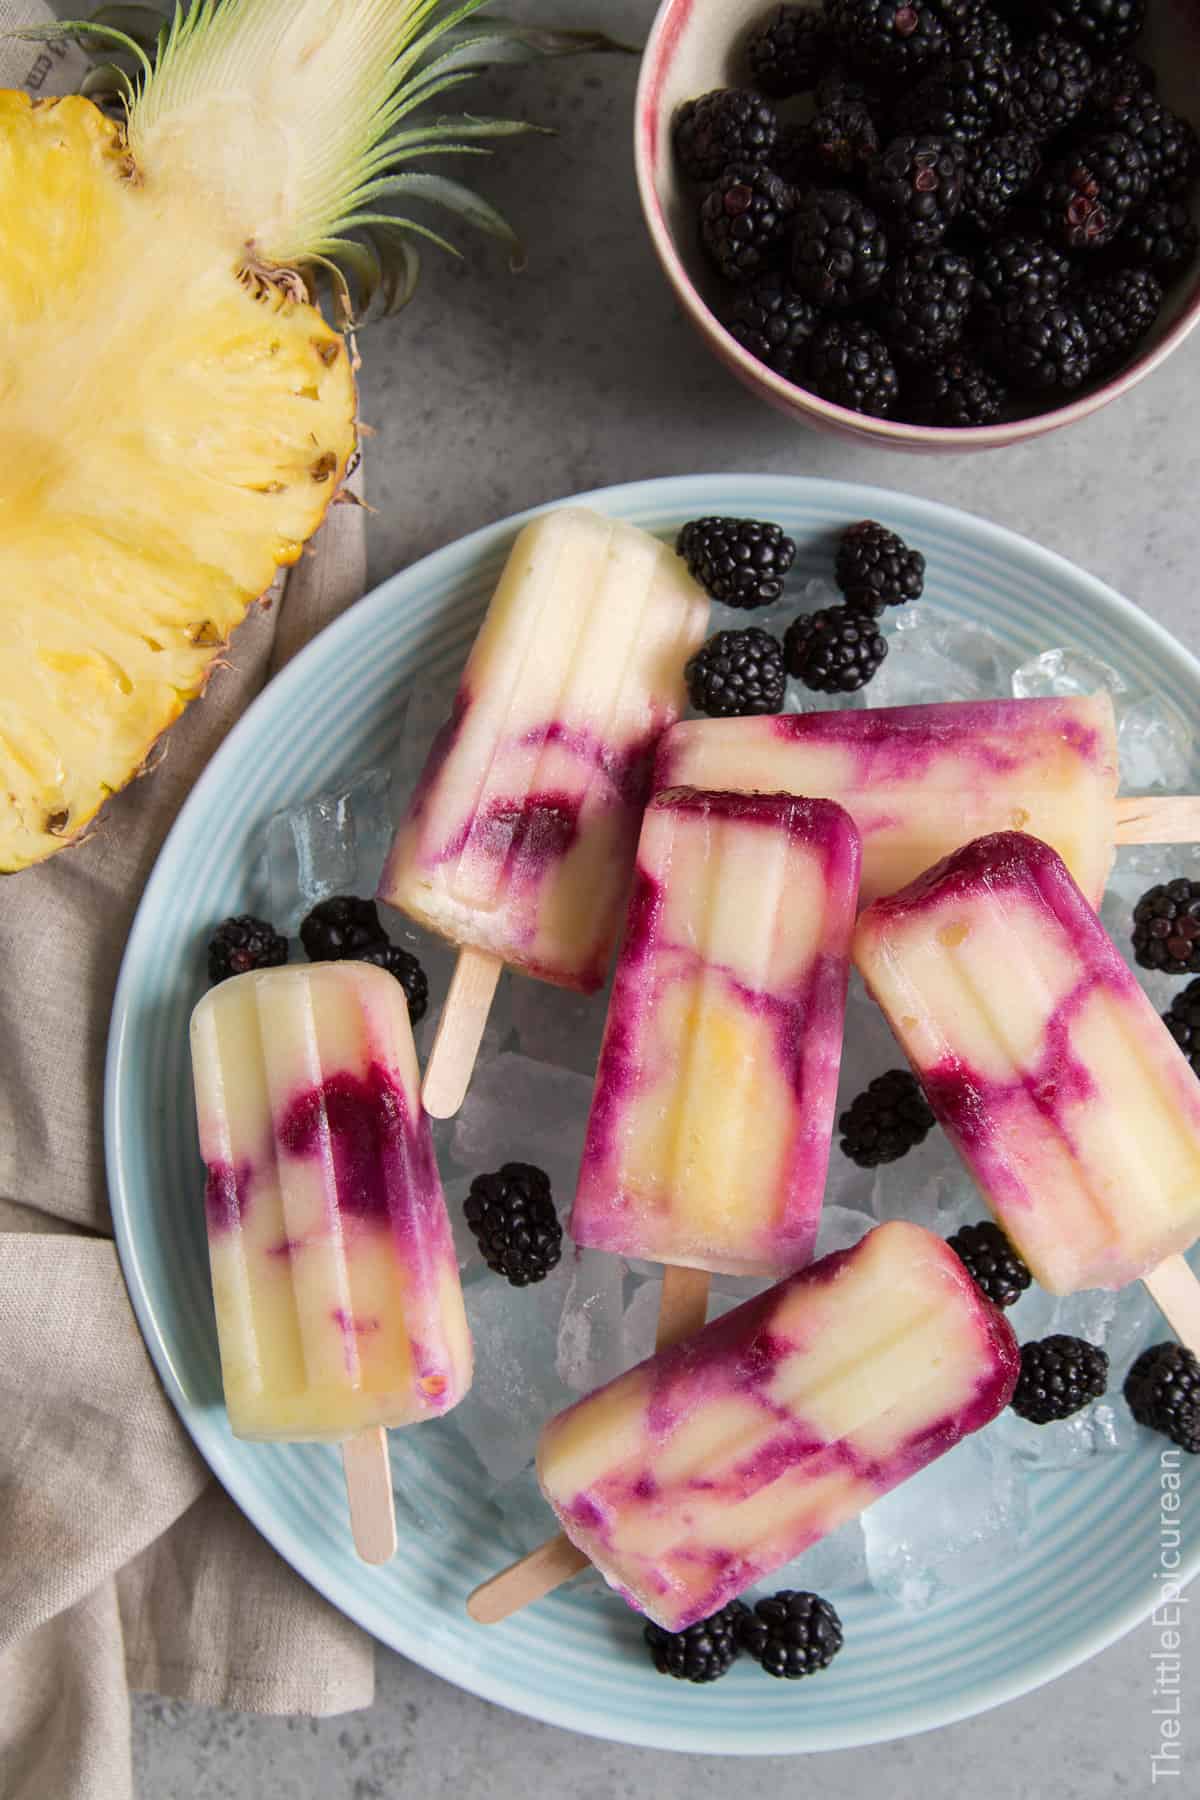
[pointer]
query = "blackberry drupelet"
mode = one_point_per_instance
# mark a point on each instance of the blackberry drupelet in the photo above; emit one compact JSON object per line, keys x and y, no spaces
{"x":961,"y":97}
{"x":851,"y":366}
{"x":998,"y":172}
{"x":243,"y":943}
{"x":1182,"y":1020}
{"x":835,"y":650}
{"x":744,"y":220}
{"x":339,"y":927}
{"x":511,"y":1214}
{"x":1118,"y":310}
{"x":839,"y":143}
{"x":1167,"y":141}
{"x":408,"y":972}
{"x":1041,"y":344}
{"x":1105,"y":26}
{"x":1048,"y":84}
{"x":789,"y":50}
{"x":725,"y":126}
{"x":775,"y":324}
{"x":887,"y":1120}
{"x":839,"y":250}
{"x":1166,"y":928}
{"x":842,"y":85}
{"x":992,"y":1263}
{"x":740,"y":562}
{"x":792,"y":1634}
{"x":917,"y":184}
{"x":956,"y":393}
{"x":1089,"y":191}
{"x":894,"y":37}
{"x":923,"y":303}
{"x":1059,"y":1376}
{"x":1162,"y":237}
{"x":1123,"y":79}
{"x":737,"y":674}
{"x":1163,"y":1391}
{"x":705,"y":1651}
{"x":875,"y":568}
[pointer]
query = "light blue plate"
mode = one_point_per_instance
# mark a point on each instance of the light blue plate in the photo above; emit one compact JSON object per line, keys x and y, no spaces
{"x":1091,"y":1570}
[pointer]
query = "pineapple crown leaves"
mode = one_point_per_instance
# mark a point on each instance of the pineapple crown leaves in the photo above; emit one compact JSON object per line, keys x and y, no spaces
{"x":296,"y":118}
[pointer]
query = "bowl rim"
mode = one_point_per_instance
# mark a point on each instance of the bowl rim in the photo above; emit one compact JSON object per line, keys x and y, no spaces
{"x":491,"y":1683}
{"x":669,"y":22}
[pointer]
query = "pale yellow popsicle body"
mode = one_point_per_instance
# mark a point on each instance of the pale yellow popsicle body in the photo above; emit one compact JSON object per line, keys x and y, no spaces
{"x":520,"y":837}
{"x":334,"y":1275}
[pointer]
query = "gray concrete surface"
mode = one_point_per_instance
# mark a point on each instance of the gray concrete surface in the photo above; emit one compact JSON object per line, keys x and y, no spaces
{"x":497,"y":391}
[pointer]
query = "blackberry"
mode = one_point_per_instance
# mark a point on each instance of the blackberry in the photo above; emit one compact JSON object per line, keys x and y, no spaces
{"x":851,"y":366}
{"x":998,"y":171}
{"x":893,"y":36}
{"x":1166,"y":928}
{"x":1041,"y":344}
{"x":340,"y":927}
{"x":408,"y":972}
{"x":1048,"y":84}
{"x":962,"y":97}
{"x":737,"y":673}
{"x":1059,"y":1376}
{"x":992,"y":1263}
{"x":1162,"y":237}
{"x":744,"y":220}
{"x":244,"y":943}
{"x":924,"y":302}
{"x":792,"y":1634}
{"x":956,"y":393}
{"x":1016,"y":270}
{"x":511,"y":1215}
{"x":1167,"y":141}
{"x":886,"y":1121}
{"x":834,"y":651}
{"x":725,"y":126}
{"x":1182,"y":1020}
{"x":839,"y":142}
{"x":839,"y":250}
{"x":875,"y":568}
{"x":1089,"y":191}
{"x":774,"y":324}
{"x":1117,"y":311}
{"x":1105,"y":26}
{"x":974,"y":25}
{"x":705,"y":1651}
{"x":1163,"y":1391}
{"x":917,"y":184}
{"x":1123,"y":79}
{"x":789,"y":50}
{"x":740,"y":562}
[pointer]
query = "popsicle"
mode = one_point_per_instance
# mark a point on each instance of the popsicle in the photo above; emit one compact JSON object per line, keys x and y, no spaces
{"x":712,"y":1118}
{"x":707,"y":1467}
{"x":919,"y":781}
{"x":519,"y":841}
{"x":339,"y":1308}
{"x":1054,"y":1077}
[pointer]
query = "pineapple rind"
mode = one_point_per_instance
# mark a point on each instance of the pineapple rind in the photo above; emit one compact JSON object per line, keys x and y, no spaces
{"x":167,"y":441}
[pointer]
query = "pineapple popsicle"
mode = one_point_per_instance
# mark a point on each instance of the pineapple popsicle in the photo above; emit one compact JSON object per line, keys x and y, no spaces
{"x":705,"y":1468}
{"x":1057,"y":1082}
{"x":709,"y":1134}
{"x":336,"y":1284}
{"x":919,"y":781}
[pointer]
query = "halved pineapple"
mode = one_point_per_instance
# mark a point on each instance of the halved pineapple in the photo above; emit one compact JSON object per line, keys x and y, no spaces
{"x":175,"y":417}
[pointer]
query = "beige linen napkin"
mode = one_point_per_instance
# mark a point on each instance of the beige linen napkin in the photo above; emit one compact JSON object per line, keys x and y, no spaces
{"x":122,"y":1564}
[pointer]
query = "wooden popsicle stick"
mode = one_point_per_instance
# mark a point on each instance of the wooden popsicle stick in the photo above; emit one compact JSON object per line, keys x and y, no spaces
{"x":683,"y":1307}
{"x":460,"y":1028}
{"x":1176,"y":1293}
{"x":522,"y":1582}
{"x":1158,"y":819}
{"x":369,"y":1491}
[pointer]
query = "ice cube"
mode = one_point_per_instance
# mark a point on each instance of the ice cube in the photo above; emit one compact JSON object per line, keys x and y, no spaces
{"x":334,"y":843}
{"x":833,"y":1565}
{"x":554,"y":1025}
{"x":466,"y":1244}
{"x":1105,"y":1428}
{"x":939,"y":658}
{"x":423,"y":709}
{"x":841,"y":1228}
{"x":641,"y":1322}
{"x":956,"y":1522}
{"x":517,"y":1385}
{"x":591,"y":1349}
{"x":1068,"y":673}
{"x":1156,"y":746}
{"x":518,"y":1110}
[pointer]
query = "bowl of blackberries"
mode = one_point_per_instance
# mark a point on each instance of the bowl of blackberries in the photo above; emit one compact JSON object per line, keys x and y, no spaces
{"x":932,"y":224}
